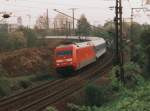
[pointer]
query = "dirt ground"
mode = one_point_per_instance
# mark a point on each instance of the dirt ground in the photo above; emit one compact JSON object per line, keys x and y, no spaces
{"x":29,"y":60}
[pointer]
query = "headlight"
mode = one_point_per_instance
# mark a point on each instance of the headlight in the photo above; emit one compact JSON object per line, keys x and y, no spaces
{"x":58,"y":64}
{"x":59,"y":60}
{"x":69,"y":59}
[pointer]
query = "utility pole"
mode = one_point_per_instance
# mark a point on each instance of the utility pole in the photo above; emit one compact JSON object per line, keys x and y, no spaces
{"x":73,"y":19}
{"x":131,"y":35}
{"x":66,"y":28}
{"x":47,"y":15}
{"x":118,"y":41}
{"x":56,"y":10}
{"x":54,"y":28}
{"x":69,"y":29}
{"x":29,"y":23}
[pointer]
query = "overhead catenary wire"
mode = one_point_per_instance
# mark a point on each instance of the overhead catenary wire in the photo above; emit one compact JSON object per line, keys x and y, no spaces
{"x":75,"y":18}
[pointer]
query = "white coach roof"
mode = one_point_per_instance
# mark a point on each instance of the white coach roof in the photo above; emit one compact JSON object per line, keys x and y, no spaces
{"x":73,"y":37}
{"x":90,"y":40}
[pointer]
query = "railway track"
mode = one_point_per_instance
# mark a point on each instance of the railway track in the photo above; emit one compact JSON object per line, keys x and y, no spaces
{"x":38,"y":98}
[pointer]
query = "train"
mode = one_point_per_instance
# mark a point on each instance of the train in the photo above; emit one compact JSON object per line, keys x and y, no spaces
{"x":74,"y":56}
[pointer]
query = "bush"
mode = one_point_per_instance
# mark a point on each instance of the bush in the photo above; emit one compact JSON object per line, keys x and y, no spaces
{"x":5,"y":88}
{"x":132,"y":74}
{"x":12,"y":41}
{"x":25,"y":83}
{"x":41,"y":77}
{"x":51,"y":109}
{"x":138,"y":100}
{"x":17,"y":39}
{"x":31,"y":37}
{"x":21,"y":38}
{"x":115,"y":80}
{"x":145,"y":44}
{"x":4,"y":42}
{"x":96,"y":95}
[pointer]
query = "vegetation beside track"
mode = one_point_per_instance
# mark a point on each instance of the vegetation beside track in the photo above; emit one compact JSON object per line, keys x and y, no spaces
{"x":10,"y":85}
{"x":24,"y":60}
{"x":128,"y":100}
{"x":135,"y":94}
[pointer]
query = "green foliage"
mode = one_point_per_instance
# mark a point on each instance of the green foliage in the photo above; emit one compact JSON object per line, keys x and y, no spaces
{"x":5,"y":88}
{"x":132,"y":73}
{"x":24,"y":83}
{"x":11,"y":41}
{"x":22,"y":38}
{"x":99,"y":32}
{"x":136,"y":30}
{"x":31,"y":37}
{"x":8,"y":85}
{"x":51,"y":109}
{"x":113,"y":78}
{"x":83,"y":27}
{"x":96,"y":95}
{"x":138,"y":100}
{"x":134,"y":96}
{"x":145,"y":39}
{"x":4,"y":42}
{"x":17,"y":40}
{"x":3,"y":27}
{"x":138,"y":55}
{"x":133,"y":76}
{"x":110,"y":28}
{"x":74,"y":107}
{"x":134,"y":36}
{"x":42,"y":76}
{"x":145,"y":44}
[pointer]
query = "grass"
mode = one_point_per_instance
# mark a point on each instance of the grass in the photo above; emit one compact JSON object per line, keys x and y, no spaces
{"x":9,"y":85}
{"x":5,"y":87}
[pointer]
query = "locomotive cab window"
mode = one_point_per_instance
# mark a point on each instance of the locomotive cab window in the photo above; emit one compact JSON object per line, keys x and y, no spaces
{"x":64,"y":53}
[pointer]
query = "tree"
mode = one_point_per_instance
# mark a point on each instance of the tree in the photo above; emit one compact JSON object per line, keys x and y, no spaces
{"x":83,"y":26}
{"x":109,"y":27}
{"x":136,"y":32}
{"x":4,"y":43}
{"x":145,"y":43}
{"x":4,"y":28}
{"x":42,"y":22}
{"x":31,"y":37}
{"x":17,"y":39}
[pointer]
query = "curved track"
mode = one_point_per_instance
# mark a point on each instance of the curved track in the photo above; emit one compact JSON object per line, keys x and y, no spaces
{"x":39,"y":97}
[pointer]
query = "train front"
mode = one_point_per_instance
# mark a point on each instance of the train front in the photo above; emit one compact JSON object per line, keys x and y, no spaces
{"x":64,"y":59}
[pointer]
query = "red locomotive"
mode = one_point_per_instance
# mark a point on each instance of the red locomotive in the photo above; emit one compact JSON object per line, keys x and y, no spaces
{"x":73,"y":57}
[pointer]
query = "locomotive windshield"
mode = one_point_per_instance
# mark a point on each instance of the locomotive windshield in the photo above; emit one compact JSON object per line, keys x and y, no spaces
{"x":64,"y":53}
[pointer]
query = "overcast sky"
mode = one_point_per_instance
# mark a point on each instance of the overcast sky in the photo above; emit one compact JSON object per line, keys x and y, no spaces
{"x":96,"y":11}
